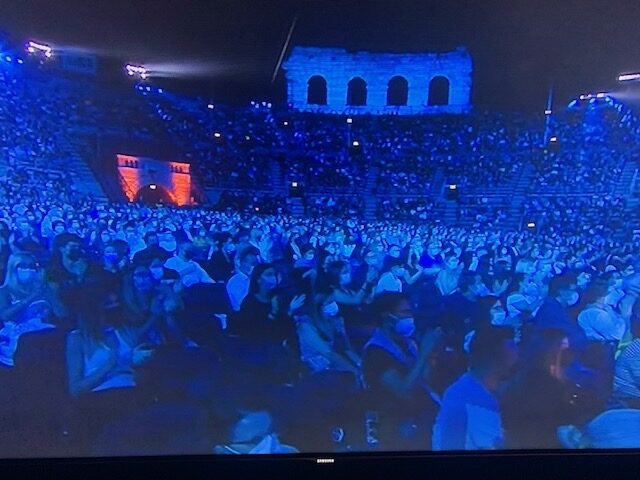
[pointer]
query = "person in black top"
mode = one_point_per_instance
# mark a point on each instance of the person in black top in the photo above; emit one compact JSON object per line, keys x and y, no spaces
{"x":396,"y":372}
{"x":221,"y":266}
{"x":263,"y":315}
{"x":153,"y":250}
{"x":539,"y":399}
{"x":265,"y":327}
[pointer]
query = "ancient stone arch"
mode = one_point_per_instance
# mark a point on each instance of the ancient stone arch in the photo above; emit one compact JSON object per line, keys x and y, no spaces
{"x":139,"y":173}
{"x":338,"y":68}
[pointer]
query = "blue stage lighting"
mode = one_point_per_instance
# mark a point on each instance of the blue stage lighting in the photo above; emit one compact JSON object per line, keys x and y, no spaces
{"x":8,"y":58}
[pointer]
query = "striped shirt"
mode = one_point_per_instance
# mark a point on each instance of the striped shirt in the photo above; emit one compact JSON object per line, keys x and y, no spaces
{"x":626,"y":383}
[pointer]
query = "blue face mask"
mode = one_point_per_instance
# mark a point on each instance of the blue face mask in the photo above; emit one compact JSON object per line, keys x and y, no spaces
{"x":404,"y":326}
{"x":270,"y":282}
{"x":110,"y":257}
{"x":331,"y":309}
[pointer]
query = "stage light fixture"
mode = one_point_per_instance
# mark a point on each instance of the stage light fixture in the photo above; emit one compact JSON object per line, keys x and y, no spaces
{"x":355,"y":143}
{"x":628,"y":77}
{"x":349,"y":120}
{"x":153,"y":186}
{"x":453,"y":187}
{"x":531,"y":225}
{"x":34,"y":47}
{"x":136,"y":70}
{"x":547,"y":112}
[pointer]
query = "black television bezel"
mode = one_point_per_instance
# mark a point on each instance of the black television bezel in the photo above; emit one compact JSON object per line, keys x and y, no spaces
{"x":476,"y":465}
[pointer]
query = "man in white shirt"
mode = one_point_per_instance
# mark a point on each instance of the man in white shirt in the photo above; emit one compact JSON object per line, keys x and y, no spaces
{"x":238,"y":285}
{"x":600,"y":320}
{"x":189,"y":270}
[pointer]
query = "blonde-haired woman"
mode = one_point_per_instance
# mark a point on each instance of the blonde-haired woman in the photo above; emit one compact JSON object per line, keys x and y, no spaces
{"x":25,"y":304}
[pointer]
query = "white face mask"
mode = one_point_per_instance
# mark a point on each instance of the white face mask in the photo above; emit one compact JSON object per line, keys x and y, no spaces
{"x":405,"y":326}
{"x":573,"y":299}
{"x":400,"y":272}
{"x":498,"y":316}
{"x":157,"y":272}
{"x":25,"y":275}
{"x":331,"y":309}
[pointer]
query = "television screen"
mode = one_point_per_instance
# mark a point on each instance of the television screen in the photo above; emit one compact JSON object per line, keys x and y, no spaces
{"x":318,"y":229}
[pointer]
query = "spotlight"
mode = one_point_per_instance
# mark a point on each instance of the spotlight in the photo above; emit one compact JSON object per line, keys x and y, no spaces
{"x":20,"y":61}
{"x":629,"y":77}
{"x":531,"y":225}
{"x":453,"y":187}
{"x":583,"y":97}
{"x":553,"y":139}
{"x":136,"y":70}
{"x":257,"y":209}
{"x":247,"y":138}
{"x":210,"y":106}
{"x":547,"y":112}
{"x":217,"y":134}
{"x":285,"y":123}
{"x":160,"y":90}
{"x":8,"y":58}
{"x":35,"y":47}
{"x":349,"y":120}
{"x":153,"y":186}
{"x":294,"y":184}
{"x":355,"y":143}
{"x":601,"y":95}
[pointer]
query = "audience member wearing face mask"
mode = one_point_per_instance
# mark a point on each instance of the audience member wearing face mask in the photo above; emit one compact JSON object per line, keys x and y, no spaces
{"x":220,"y":265}
{"x":324,"y":343}
{"x":189,"y":270}
{"x":554,"y":311}
{"x":238,"y":285}
{"x":396,"y":370}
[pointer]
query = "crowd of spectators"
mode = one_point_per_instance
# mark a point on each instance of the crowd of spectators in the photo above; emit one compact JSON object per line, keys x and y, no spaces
{"x":406,"y":208}
{"x":186,"y":321}
{"x":483,"y":211}
{"x":578,"y":215}
{"x":334,"y":206}
{"x":266,"y":203}
{"x":134,"y":329}
{"x":587,"y":150}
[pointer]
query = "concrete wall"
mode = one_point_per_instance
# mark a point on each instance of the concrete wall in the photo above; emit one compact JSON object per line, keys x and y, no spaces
{"x":338,"y":67}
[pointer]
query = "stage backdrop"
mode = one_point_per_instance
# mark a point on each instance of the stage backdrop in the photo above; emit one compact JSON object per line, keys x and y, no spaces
{"x":140,"y":173}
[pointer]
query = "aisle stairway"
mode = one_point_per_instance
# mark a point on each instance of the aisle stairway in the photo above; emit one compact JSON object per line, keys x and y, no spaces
{"x":518,"y":195}
{"x":297,"y":207}
{"x":276,"y":179}
{"x":84,"y":179}
{"x":369,"y":195}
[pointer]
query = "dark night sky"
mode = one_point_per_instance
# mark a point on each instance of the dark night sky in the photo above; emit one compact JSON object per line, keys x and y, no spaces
{"x":519,"y":47}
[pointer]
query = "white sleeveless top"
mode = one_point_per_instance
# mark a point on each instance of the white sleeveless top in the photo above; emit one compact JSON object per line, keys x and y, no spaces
{"x":122,"y":374}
